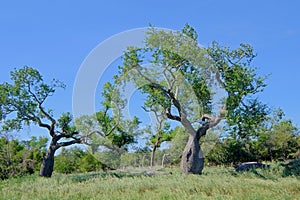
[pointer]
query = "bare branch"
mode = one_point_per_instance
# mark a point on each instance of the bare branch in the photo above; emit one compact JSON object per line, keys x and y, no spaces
{"x":171,"y":116}
{"x":166,"y":79}
{"x":116,"y":124}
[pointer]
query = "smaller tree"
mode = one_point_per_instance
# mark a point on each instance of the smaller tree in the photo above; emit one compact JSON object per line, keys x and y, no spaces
{"x":107,"y":133}
{"x":68,"y":160}
{"x":11,"y":158}
{"x":36,"y":149}
{"x":23,"y":103}
{"x":162,"y":132}
{"x":278,"y":138}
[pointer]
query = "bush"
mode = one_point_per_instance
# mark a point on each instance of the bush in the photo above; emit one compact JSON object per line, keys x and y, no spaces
{"x":292,"y":168}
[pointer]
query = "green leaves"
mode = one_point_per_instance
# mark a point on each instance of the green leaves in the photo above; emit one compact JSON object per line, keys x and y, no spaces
{"x":65,"y":124}
{"x":246,"y":120}
{"x":185,"y":79}
{"x":155,"y":97}
{"x":235,"y":73}
{"x":190,"y":32}
{"x":22,"y":101}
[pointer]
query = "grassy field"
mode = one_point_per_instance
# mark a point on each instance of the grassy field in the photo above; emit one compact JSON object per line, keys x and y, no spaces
{"x":215,"y":183}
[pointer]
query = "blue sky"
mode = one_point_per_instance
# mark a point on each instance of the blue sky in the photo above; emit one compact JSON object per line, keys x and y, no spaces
{"x":56,"y":36}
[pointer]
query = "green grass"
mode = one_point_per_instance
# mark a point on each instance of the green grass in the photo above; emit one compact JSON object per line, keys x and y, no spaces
{"x":215,"y":183}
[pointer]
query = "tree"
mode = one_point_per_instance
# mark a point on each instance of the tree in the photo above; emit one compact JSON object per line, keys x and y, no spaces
{"x":275,"y":138}
{"x":23,"y":103}
{"x":36,"y":149}
{"x":183,"y":79}
{"x":162,"y":132}
{"x":107,"y":130}
{"x":11,"y":158}
{"x":68,"y":160}
{"x":279,"y":138}
{"x":20,"y":158}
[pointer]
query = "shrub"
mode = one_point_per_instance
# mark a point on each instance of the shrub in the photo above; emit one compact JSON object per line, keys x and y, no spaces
{"x":292,"y":168}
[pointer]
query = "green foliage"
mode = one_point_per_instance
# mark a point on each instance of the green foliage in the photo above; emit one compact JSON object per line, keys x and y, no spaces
{"x":10,"y":158}
{"x":280,"y":141}
{"x":177,"y":145}
{"x":247,"y":119}
{"x":106,"y":132}
{"x":25,"y":98}
{"x":88,"y":163}
{"x":241,"y":83}
{"x":36,"y":149}
{"x":20,"y":158}
{"x":190,"y":32}
{"x":65,"y":123}
{"x":231,"y":151}
{"x":76,"y":160}
{"x":292,"y":168}
{"x":275,"y":138}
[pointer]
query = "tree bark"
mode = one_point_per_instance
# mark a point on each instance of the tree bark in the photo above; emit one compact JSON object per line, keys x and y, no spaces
{"x":153,"y":155}
{"x":155,"y":145}
{"x":48,"y":162}
{"x":192,"y":160}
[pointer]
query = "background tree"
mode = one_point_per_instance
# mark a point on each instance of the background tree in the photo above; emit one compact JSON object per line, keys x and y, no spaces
{"x":279,"y":138}
{"x":11,"y":158}
{"x":22,"y":102}
{"x":182,"y":78}
{"x":18,"y":158}
{"x":177,"y":145}
{"x":162,"y":132}
{"x":108,"y":134}
{"x":68,"y":161}
{"x":37,"y":149}
{"x":275,"y":138}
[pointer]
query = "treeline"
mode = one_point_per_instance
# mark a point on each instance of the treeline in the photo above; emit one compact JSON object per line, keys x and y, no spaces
{"x":276,"y":140}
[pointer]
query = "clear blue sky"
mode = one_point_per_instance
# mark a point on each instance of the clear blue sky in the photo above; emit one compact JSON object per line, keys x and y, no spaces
{"x":55,"y":36}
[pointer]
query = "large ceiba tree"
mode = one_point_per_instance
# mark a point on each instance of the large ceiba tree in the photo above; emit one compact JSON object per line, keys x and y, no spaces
{"x":186,"y":80}
{"x":22,"y":103}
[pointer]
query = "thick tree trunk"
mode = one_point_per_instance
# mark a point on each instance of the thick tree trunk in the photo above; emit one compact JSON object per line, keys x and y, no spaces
{"x":48,"y":162}
{"x":192,"y":160}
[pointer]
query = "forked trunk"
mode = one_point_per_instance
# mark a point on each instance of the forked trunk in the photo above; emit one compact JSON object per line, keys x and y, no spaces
{"x":48,"y":162}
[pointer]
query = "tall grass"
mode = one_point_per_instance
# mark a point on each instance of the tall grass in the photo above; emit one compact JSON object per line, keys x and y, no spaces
{"x":215,"y":183}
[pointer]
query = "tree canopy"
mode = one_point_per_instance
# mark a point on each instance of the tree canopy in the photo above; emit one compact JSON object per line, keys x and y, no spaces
{"x":22,"y":103}
{"x":185,"y":80}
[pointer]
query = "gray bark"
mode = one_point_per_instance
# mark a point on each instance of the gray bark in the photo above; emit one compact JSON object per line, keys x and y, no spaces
{"x":192,"y":160}
{"x":48,"y":162}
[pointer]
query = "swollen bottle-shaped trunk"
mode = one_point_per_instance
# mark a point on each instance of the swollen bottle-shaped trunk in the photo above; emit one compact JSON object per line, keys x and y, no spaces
{"x":48,"y":163}
{"x":192,"y":161}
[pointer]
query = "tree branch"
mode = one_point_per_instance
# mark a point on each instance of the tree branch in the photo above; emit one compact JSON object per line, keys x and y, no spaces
{"x":63,"y":144}
{"x":38,"y":120}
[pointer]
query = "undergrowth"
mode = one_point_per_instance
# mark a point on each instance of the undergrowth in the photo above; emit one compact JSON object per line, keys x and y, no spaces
{"x":214,"y":183}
